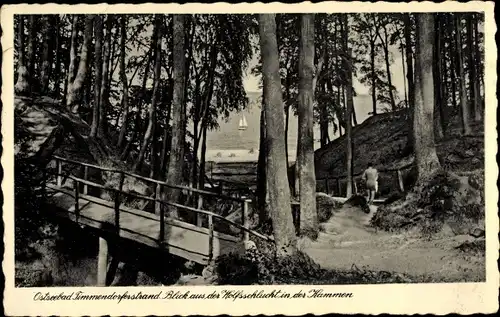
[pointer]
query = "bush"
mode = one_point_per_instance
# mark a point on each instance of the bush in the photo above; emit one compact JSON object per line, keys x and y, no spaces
{"x":446,"y":198}
{"x":326,"y":206}
{"x":256,"y":267}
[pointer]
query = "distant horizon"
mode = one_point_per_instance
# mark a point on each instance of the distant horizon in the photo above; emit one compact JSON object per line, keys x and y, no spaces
{"x":228,"y":144}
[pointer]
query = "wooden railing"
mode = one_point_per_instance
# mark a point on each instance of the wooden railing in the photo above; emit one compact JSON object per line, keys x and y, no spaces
{"x":397,"y":171}
{"x":158,"y":202}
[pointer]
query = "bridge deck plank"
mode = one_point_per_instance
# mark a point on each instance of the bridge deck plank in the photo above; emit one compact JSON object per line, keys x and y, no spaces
{"x":181,"y":239}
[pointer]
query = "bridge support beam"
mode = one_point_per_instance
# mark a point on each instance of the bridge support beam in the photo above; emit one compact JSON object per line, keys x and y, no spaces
{"x":102,"y":262}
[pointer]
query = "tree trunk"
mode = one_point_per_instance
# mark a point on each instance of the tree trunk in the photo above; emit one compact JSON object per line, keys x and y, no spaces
{"x":167,"y":133}
{"x":75,"y":90}
{"x":30,"y":52}
{"x":261,"y":169}
{"x":354,"y":120}
{"x":339,"y":105}
{"x":425,"y":150}
{"x":436,"y":71}
{"x":473,"y":64}
{"x":46,"y":62}
{"x":98,"y":74}
{"x":287,"y":124}
{"x":479,"y":64}
{"x":148,"y":135}
{"x":374,"y":79}
{"x":349,"y":108}
{"x":404,"y":73}
{"x":409,"y":76}
{"x":279,"y":192}
{"x":385,"y":45}
{"x":123,"y":77}
{"x":22,"y":84}
{"x":176,"y":162}
{"x":137,"y":118}
{"x":453,"y":71}
{"x":70,"y":76}
{"x":287,"y":114}
{"x":445,"y":77}
{"x":104,"y":85}
{"x":323,"y":121}
{"x":57,"y":63}
{"x":305,"y":144}
{"x":201,"y":182}
{"x":464,"y":109}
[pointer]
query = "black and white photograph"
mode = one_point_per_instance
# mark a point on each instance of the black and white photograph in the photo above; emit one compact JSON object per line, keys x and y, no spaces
{"x":245,"y":149}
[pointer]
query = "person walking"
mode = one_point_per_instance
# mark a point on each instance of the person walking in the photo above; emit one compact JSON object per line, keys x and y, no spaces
{"x":370,"y":176}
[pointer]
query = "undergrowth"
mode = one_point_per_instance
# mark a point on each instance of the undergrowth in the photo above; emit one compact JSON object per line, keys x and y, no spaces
{"x":264,"y":268}
{"x":446,"y":198}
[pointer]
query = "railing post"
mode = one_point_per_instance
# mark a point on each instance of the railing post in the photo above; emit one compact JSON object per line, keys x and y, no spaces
{"x":102,"y":262}
{"x":199,"y":220}
{"x":85,"y":177}
{"x":59,"y":172}
{"x":158,"y":189}
{"x":77,"y":195}
{"x":244,"y":219}
{"x":162,"y":223}
{"x":355,"y":186}
{"x":118,"y":201}
{"x":400,"y":181}
{"x":210,"y":238}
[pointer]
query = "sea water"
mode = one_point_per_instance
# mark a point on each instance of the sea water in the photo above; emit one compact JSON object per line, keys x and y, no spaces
{"x":229,"y":144}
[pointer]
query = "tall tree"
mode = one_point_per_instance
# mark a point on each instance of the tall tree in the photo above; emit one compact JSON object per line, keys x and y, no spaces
{"x":425,"y":151}
{"x":453,"y":61}
{"x":104,"y":85}
{"x":383,"y":35}
{"x":464,"y":109}
{"x":57,"y":56}
{"x":70,"y":76}
{"x":409,"y":74}
{"x":124,"y":81}
{"x":349,"y":106}
{"x":98,"y":26}
{"x":30,"y":50}
{"x":279,"y":192}
{"x":305,"y":141}
{"x":75,"y":90}
{"x":46,"y":62}
{"x":480,"y":64}
{"x":366,"y":27}
{"x":176,"y":161}
{"x":22,"y":86}
{"x":473,"y":65}
{"x":261,"y":168}
{"x":148,"y":135}
{"x":439,"y":127}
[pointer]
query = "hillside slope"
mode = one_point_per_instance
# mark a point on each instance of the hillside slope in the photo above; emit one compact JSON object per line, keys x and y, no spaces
{"x":382,"y":140}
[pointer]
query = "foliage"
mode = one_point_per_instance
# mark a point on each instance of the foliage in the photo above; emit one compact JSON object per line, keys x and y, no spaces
{"x":256,"y":267}
{"x":446,"y":198}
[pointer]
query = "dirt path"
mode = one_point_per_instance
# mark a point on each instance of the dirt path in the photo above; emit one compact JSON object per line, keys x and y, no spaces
{"x":348,"y":240}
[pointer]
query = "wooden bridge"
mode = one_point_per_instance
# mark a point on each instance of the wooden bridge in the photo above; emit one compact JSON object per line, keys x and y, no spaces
{"x":80,"y":200}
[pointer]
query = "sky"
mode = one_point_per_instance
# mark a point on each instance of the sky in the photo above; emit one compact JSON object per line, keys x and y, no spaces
{"x":251,"y":82}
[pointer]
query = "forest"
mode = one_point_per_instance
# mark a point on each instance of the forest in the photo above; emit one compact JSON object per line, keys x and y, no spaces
{"x":151,"y":86}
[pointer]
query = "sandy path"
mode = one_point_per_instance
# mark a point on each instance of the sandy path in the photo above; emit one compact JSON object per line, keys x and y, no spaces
{"x":349,"y":240}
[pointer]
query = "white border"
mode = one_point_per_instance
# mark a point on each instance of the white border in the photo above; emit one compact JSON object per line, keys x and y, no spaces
{"x":463,"y":298}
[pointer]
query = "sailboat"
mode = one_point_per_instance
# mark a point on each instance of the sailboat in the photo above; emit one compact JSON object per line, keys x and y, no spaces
{"x":243,"y":125}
